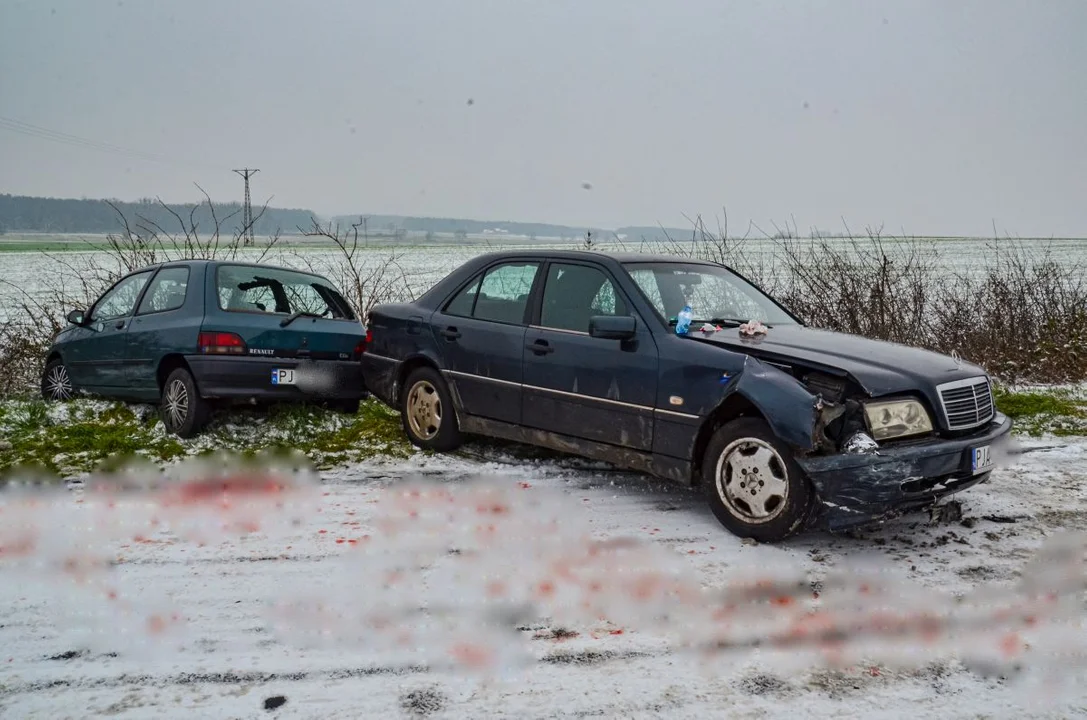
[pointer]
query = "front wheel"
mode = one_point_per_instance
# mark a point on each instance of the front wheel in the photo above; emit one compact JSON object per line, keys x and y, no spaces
{"x":56,"y":383}
{"x":426,"y":409}
{"x":184,"y":412}
{"x":753,"y":484}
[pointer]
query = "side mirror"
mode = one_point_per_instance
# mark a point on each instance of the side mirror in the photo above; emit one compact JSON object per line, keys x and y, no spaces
{"x":613,"y":327}
{"x":76,"y":317}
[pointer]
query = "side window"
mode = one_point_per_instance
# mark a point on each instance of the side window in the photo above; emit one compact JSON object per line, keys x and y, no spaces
{"x":503,"y":294}
{"x":121,"y":299}
{"x":464,"y":301}
{"x":166,"y":292}
{"x":575,"y":293}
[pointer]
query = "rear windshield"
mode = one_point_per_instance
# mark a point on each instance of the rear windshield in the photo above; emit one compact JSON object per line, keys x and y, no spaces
{"x":279,"y":292}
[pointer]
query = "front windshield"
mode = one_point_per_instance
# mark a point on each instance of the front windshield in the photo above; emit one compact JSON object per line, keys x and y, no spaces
{"x":713,"y":292}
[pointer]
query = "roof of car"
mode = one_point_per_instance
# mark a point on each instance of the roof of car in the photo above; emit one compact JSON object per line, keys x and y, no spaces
{"x":621,"y":257}
{"x":206,"y":261}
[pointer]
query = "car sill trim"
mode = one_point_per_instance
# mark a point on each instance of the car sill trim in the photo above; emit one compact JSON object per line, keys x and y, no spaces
{"x":689,"y":416}
{"x":472,"y":376}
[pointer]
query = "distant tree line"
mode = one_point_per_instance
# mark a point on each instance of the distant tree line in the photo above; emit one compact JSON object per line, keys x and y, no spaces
{"x":19,"y":213}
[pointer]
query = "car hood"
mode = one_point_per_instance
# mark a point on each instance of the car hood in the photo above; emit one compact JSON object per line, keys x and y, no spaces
{"x":879,"y":367}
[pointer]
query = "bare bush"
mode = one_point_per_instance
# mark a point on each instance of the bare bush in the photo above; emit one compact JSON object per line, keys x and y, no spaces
{"x":866,"y":287}
{"x":1023,"y":317}
{"x":365,"y":277}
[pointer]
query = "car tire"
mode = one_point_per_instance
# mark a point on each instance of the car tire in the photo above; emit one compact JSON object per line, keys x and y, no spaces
{"x":183,"y":411}
{"x":56,"y":382}
{"x":753,"y":484}
{"x":426,"y":410}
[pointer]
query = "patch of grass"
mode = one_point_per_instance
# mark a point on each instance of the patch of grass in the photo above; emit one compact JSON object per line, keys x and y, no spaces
{"x":84,"y":435}
{"x":75,"y":437}
{"x":1040,"y":412}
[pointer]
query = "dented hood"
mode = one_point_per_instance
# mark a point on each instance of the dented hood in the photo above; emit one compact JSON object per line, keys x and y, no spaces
{"x":880,"y":367}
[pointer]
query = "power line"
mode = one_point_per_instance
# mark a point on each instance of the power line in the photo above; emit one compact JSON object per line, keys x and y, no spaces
{"x":43,"y":133}
{"x":247,"y":210}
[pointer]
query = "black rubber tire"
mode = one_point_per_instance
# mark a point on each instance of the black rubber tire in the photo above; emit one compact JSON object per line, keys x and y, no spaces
{"x":448,"y":436}
{"x":799,"y":496}
{"x":191,"y":421}
{"x":48,"y":377}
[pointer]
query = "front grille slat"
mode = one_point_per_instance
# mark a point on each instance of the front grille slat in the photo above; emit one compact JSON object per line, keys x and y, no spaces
{"x":967,"y":403}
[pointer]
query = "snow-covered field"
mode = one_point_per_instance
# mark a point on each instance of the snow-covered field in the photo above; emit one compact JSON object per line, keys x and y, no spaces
{"x":202,"y":636}
{"x":423,"y":265}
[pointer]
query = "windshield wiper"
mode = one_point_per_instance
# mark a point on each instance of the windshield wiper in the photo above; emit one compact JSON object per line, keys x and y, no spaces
{"x":294,"y":316}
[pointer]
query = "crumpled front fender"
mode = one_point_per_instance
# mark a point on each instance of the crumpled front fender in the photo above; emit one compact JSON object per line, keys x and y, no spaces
{"x":791,"y":410}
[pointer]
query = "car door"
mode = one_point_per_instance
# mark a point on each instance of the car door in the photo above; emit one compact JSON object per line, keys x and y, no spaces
{"x":481,"y":336}
{"x":160,"y":326}
{"x":96,"y":357}
{"x":575,"y":384}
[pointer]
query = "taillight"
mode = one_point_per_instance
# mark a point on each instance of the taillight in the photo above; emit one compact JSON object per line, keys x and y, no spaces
{"x":369,"y":336}
{"x":221,"y":343}
{"x":360,"y":348}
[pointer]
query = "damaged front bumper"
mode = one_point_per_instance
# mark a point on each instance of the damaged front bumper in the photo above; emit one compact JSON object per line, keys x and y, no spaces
{"x":858,"y":489}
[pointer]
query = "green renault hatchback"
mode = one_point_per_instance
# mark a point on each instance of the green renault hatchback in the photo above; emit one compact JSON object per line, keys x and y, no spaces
{"x":191,"y":333}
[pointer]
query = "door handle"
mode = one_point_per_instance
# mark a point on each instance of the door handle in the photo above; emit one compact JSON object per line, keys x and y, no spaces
{"x":450,"y":333}
{"x":120,"y":325}
{"x":540,"y":347}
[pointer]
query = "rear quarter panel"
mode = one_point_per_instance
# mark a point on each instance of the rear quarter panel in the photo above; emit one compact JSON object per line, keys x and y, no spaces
{"x":400,"y":333}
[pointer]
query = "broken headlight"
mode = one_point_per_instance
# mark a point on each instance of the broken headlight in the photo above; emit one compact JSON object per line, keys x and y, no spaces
{"x":897,"y":418}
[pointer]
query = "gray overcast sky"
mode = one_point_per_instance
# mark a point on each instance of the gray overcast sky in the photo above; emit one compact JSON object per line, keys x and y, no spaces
{"x":927,"y":116}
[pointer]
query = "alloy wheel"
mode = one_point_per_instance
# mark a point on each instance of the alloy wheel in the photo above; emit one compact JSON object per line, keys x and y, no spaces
{"x":424,"y":410}
{"x":57,"y":383}
{"x":752,"y":480}
{"x":176,"y":403}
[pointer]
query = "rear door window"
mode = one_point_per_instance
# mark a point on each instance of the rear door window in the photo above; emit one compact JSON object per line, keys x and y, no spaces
{"x":166,"y":292}
{"x":278,"y":291}
{"x":503,"y":294}
{"x":465,"y":300}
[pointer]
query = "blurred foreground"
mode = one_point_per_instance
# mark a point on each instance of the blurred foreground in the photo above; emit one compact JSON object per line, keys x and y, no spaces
{"x":492,"y":588}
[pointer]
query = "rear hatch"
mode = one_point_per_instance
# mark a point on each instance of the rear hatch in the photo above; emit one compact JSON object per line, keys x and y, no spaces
{"x":284,"y":314}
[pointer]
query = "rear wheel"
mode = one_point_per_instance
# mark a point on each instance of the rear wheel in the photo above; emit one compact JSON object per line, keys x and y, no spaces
{"x":753,"y":484}
{"x":184,"y":412}
{"x":426,"y":410}
{"x":56,"y":383}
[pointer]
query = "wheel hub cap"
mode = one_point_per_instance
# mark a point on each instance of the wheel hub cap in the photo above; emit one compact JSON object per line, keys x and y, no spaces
{"x":424,"y":410}
{"x":177,"y":403}
{"x":752,"y":481}
{"x":57,"y":383}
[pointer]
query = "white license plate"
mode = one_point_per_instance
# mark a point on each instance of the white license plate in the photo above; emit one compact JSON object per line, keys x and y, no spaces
{"x":283,"y":377}
{"x":981,"y":459}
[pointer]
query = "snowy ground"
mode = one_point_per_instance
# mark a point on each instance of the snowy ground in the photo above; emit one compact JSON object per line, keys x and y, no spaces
{"x":62,"y":654}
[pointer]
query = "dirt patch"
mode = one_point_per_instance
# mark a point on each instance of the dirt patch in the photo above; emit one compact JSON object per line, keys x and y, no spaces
{"x":423,"y":702}
{"x":587,"y":657}
{"x":764,"y":684}
{"x":838,"y":684}
{"x":978,"y":572}
{"x":1065,"y":519}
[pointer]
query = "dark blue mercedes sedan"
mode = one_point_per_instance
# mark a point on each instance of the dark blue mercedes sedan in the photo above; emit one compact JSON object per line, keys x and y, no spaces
{"x":784,"y":426}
